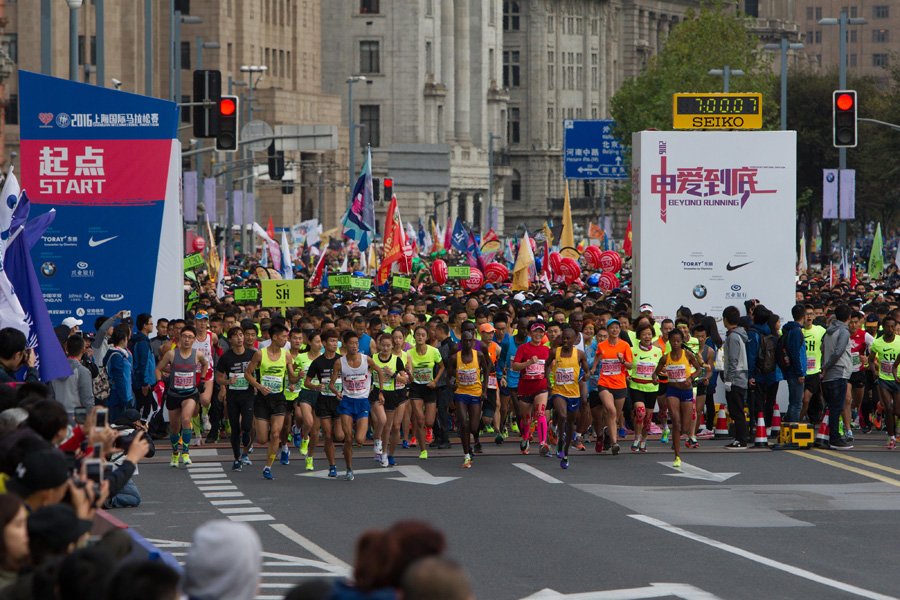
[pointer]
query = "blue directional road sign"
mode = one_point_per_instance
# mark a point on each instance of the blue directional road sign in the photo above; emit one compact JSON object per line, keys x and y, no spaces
{"x":591,"y":152}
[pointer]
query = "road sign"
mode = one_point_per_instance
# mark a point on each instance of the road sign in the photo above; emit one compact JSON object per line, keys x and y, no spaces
{"x":591,"y":151}
{"x":401,"y":283}
{"x":279,"y":293}
{"x":717,"y":111}
{"x":246,"y":295}
{"x":458,"y":272}
{"x":193,"y":260}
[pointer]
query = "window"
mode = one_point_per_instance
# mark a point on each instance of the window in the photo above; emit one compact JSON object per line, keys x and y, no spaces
{"x":809,"y":13}
{"x":851,"y":36}
{"x":12,"y":46}
{"x":579,"y":26}
{"x":80,"y":49}
{"x":880,"y":36}
{"x":511,"y":68}
{"x":429,"y":8}
{"x":551,"y":177}
{"x":12,"y":110}
{"x":852,"y":60}
{"x":550,"y":128}
{"x":512,"y":130}
{"x":369,"y":61}
{"x":594,"y":112}
{"x":185,"y":110}
{"x":186,"y":56}
{"x":492,"y":70}
{"x":281,"y":63}
{"x":579,"y":114}
{"x":595,"y":26}
{"x":879,"y":60}
{"x":571,"y":25}
{"x":579,"y":77}
{"x":510,"y":16}
{"x":368,"y":7}
{"x":818,"y":60}
{"x":880,"y":12}
{"x":288,"y":11}
{"x":564,"y":72}
{"x":228,"y":53}
{"x":595,"y":78}
{"x":290,"y":73}
{"x":551,"y":77}
{"x":492,"y":14}
{"x":268,"y":63}
{"x":818,"y":13}
{"x":516,"y":187}
{"x":818,"y":37}
{"x":429,"y":58}
{"x":370,"y":119}
{"x":550,"y":24}
{"x":184,"y":6}
{"x":751,"y":8}
{"x":571,"y":70}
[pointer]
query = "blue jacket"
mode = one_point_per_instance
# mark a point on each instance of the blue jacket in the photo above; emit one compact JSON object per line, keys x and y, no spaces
{"x":144,"y":363}
{"x":796,"y":350}
{"x":753,"y":337}
{"x":119,"y":366}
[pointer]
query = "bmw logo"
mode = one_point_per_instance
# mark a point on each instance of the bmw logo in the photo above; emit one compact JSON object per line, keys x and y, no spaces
{"x":830,"y":178}
{"x":699,"y":291}
{"x":735,"y":288}
{"x":48,"y":269}
{"x":82,"y":265}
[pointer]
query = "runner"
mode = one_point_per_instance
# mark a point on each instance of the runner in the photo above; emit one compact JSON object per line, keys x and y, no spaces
{"x":183,"y":388}
{"x":812,"y":384}
{"x":569,"y":365}
{"x":531,"y":358}
{"x":304,"y":406}
{"x":270,"y":405}
{"x":320,"y":371}
{"x":679,"y":366}
{"x":491,"y":351}
{"x":235,"y":390}
{"x":642,"y":386}
{"x":509,"y":381}
{"x":400,"y":348}
{"x":884,"y":356}
{"x":706,"y":357}
{"x":291,"y":392}
{"x":427,"y":368}
{"x":614,"y":357}
{"x":355,"y":371}
{"x":205,"y":343}
{"x":860,"y":341}
{"x":392,"y":400}
{"x":469,"y":370}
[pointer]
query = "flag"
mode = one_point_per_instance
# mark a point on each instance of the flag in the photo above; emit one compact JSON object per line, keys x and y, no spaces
{"x":490,"y":246}
{"x":460,"y":238}
{"x":410,"y":235}
{"x":320,"y":266}
{"x":853,"y":279}
{"x":421,"y":232}
{"x":524,"y":261}
{"x":876,"y":257}
{"x":393,"y":242}
{"x":359,"y":221}
{"x":363,"y":267}
{"x":50,"y":359}
{"x":344,"y":265}
{"x":510,"y":253}
{"x":831,"y":274}
{"x":802,"y":262}
{"x":220,"y":280}
{"x":595,"y":233}
{"x":271,"y":229}
{"x":212,"y":255}
{"x":567,"y":240}
{"x":437,"y":236}
{"x":897,"y":256}
{"x":626,"y":246}
{"x":273,"y":249}
{"x":404,"y":264}
{"x":473,"y":256}
{"x":287,"y":265}
{"x":11,"y":312}
{"x":448,"y":232}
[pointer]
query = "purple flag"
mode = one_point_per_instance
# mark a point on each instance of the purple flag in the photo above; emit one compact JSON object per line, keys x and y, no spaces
{"x":51,"y":360}
{"x":249,"y":209}
{"x":209,"y":197}
{"x":238,"y":212}
{"x":190,"y":196}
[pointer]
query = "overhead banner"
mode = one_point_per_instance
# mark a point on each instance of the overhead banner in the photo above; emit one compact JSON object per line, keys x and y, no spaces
{"x":739,"y":189}
{"x":110,"y":164}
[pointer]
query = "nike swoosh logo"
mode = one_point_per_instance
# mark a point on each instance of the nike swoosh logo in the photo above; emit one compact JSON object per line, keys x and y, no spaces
{"x":92,"y":243}
{"x":730,"y":267}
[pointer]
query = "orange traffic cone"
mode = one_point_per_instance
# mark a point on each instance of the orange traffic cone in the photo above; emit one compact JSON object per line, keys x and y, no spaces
{"x":761,"y":440}
{"x":776,"y":419}
{"x":823,"y":434}
{"x":721,"y":431}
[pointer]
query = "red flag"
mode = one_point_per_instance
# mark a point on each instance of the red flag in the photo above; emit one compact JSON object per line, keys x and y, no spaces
{"x":271,"y":229}
{"x":393,"y":242}
{"x":627,"y":245}
{"x":853,"y":280}
{"x":448,"y":234}
{"x":320,"y":266}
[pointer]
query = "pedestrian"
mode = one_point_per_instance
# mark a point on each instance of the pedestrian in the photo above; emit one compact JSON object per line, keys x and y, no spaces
{"x":735,"y":377}
{"x":224,"y":562}
{"x":76,"y":390}
{"x":836,"y":372}
{"x":795,"y":351}
{"x":119,"y":365}
{"x":14,"y":355}
{"x":144,"y":366}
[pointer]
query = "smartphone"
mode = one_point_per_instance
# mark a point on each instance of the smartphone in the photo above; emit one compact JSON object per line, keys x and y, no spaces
{"x":98,"y":451}
{"x":101,"y":418}
{"x":80,"y":415}
{"x":126,"y":314}
{"x":94,"y":469}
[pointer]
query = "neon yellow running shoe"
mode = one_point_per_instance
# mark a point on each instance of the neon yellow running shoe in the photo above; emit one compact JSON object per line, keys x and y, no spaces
{"x":515,"y":428}
{"x":174,"y":462}
{"x":186,"y":459}
{"x":423,"y":454}
{"x":304,"y":447}
{"x":677,"y":463}
{"x":309,"y":463}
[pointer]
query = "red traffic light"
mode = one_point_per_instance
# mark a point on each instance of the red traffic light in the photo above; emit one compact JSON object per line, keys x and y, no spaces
{"x":388,"y":183}
{"x":844,"y":102}
{"x":226,"y":107}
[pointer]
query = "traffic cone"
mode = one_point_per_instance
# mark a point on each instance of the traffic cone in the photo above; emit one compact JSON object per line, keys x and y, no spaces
{"x":776,"y":419}
{"x":721,"y":431}
{"x":761,"y":440}
{"x":823,"y":434}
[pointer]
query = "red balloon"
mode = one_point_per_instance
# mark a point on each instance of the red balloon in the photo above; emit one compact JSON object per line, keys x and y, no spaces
{"x":439,"y":271}
{"x":610,"y":261}
{"x":496,"y":273}
{"x":555,"y":260}
{"x":476,"y":278}
{"x":199,"y":244}
{"x":608,"y":282}
{"x":570,"y":269}
{"x":592,"y":256}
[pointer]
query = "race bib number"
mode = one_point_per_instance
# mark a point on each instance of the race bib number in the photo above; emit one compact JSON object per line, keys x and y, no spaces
{"x":810,"y":364}
{"x":610,"y":366}
{"x":644,"y":370}
{"x":183,"y":380}
{"x":535,"y":371}
{"x":887,"y":367}
{"x":492,"y":382}
{"x":856,"y":361}
{"x":422,"y":375}
{"x":467,"y":377}
{"x":273,"y":383}
{"x":676,"y":373}
{"x":355,"y":384}
{"x":240,"y":384}
{"x":565,"y":376}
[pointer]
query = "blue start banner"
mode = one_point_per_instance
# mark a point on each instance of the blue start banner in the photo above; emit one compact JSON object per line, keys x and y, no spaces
{"x":110,"y":164}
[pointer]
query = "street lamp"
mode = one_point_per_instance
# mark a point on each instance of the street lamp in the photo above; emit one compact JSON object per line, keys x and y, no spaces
{"x":726,"y":73}
{"x":175,"y":63}
{"x":350,"y":82}
{"x":74,"y":5}
{"x":842,"y":21}
{"x":201,"y":45}
{"x":490,"y":207}
{"x":260,"y":70}
{"x":784,"y":46}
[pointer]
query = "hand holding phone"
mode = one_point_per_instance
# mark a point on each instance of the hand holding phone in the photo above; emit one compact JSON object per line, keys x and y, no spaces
{"x":126,"y":314}
{"x":101,"y":418}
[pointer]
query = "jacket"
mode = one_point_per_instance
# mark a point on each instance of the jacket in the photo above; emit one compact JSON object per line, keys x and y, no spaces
{"x":756,"y":333}
{"x":75,"y":390}
{"x":836,"y":352}
{"x":144,"y":363}
{"x":119,"y":366}
{"x":796,"y":350}
{"x":736,"y":367}
{"x":31,"y":374}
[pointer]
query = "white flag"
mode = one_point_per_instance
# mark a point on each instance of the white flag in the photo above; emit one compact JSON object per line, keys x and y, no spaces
{"x":287,"y":265}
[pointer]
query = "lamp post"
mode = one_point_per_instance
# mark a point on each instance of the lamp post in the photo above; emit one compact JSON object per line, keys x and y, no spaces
{"x":259,"y":70}
{"x":176,"y":72}
{"x":490,"y":206}
{"x":74,"y":5}
{"x":842,"y":21}
{"x":201,"y":45}
{"x":350,"y":82}
{"x":784,"y":46}
{"x":726,"y":73}
{"x":229,"y":183}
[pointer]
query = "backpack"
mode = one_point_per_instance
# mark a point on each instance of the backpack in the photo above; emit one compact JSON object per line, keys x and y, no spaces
{"x":782,"y":355}
{"x":100,"y":384}
{"x":765,"y":357}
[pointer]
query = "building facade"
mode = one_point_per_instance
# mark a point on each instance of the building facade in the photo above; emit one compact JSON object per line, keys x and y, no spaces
{"x":427,"y":78}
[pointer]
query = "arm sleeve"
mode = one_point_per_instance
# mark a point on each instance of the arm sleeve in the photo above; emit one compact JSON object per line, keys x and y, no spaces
{"x":85,"y":389}
{"x":101,"y":333}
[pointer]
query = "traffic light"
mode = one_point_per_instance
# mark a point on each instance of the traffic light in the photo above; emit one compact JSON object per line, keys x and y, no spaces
{"x":388,"y":189}
{"x":376,"y":189}
{"x":227,"y":135}
{"x":276,"y":163}
{"x":844,"y":121}
{"x":219,"y":235}
{"x":207,"y":88}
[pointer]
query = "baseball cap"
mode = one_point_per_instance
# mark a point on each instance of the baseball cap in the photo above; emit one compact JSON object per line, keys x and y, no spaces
{"x":646,"y":307}
{"x":486,"y":328}
{"x":71,"y":322}
{"x":57,"y":525}
{"x":201,"y":314}
{"x":613,"y":322}
{"x":520,"y":297}
{"x":41,"y":470}
{"x":539,"y":324}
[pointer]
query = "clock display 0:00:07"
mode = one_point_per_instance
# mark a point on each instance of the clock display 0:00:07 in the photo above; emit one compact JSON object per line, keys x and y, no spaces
{"x":717,"y":105}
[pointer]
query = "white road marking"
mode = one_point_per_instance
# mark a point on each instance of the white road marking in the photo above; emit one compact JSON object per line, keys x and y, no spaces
{"x":809,"y":575}
{"x":692,"y":472}
{"x":229,"y":502}
{"x":654,"y":590}
{"x":311,"y":547}
{"x":223,"y":495}
{"x":217,"y":488}
{"x":537,"y":473}
{"x":196,"y":476}
{"x":410,"y":473}
{"x":240,"y":510}
{"x":251,"y":517}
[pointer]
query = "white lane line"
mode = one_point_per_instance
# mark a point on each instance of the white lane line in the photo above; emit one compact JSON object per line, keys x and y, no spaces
{"x":223,"y":495}
{"x":251,"y":517}
{"x":229,"y":502}
{"x":240,"y":510}
{"x":826,"y":581}
{"x":311,"y":546}
{"x":537,"y":473}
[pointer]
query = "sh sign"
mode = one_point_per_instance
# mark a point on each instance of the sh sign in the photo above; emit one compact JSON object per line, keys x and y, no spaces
{"x":591,"y":151}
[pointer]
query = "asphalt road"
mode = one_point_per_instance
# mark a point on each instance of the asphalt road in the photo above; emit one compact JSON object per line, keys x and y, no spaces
{"x":753,"y":524}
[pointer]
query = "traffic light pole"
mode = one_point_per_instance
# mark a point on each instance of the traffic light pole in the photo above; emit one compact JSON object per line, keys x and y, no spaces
{"x":842,"y":152}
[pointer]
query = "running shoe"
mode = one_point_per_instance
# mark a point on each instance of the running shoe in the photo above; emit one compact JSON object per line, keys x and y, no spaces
{"x":560,"y":454}
{"x":285,"y":457}
{"x":524,"y":446}
{"x":615,"y":449}
{"x":405,"y":445}
{"x":515,"y":428}
{"x":622,"y":432}
{"x":174,"y":462}
{"x":332,"y":471}
{"x":545,"y":450}
{"x":677,"y":463}
{"x":579,"y":445}
{"x":429,"y":436}
{"x":499,"y":439}
{"x":206,"y":424}
{"x":309,"y":463}
{"x":505,"y":433}
{"x":849,"y":437}
{"x":236,"y":466}
{"x":349,"y":475}
{"x":412,"y":442}
{"x":186,"y":459}
{"x":564,"y":463}
{"x":598,"y":447}
{"x":665,"y":436}
{"x":488,"y":429}
{"x":635,"y":445}
{"x":391,"y":461}
{"x":377,"y":457}
{"x":267,"y":473}
{"x":297,"y":436}
{"x":551,"y":437}
{"x":384,"y":459}
{"x":654,"y":429}
{"x":478,"y":449}
{"x":467,"y":463}
{"x":423,"y":455}
{"x":304,"y":447}
{"x":245,"y":460}
{"x":643,"y":446}
{"x":250,"y":449}
{"x":892,"y":443}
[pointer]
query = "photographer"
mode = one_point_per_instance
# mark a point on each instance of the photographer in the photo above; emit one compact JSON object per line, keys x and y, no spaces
{"x":128,"y":426}
{"x":14,"y":355}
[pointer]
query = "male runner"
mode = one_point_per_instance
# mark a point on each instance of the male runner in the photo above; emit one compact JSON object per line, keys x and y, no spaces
{"x":182,"y":390}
